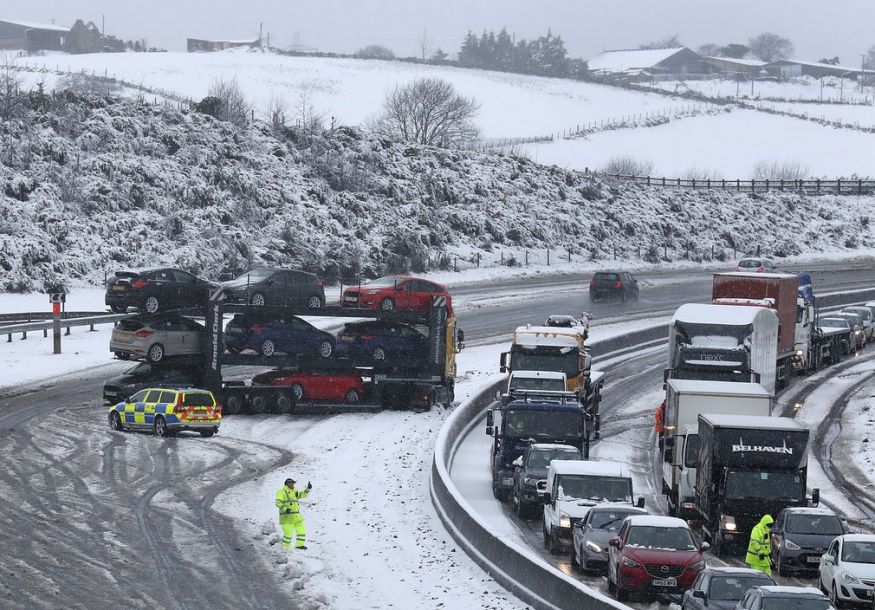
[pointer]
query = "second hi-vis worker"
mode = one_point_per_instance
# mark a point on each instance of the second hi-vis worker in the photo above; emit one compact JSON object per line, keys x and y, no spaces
{"x":291,"y":520}
{"x":759,"y":550}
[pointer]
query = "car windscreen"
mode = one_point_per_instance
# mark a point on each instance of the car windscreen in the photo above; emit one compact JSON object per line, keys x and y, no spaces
{"x":733,"y":588}
{"x":129,"y":325}
{"x":668,"y":538}
{"x":610,"y":520}
{"x":833,"y":323}
{"x":864,"y":313}
{"x":759,"y":485}
{"x":796,"y":602}
{"x":537,"y":383}
{"x":144,"y":368}
{"x":589,"y":487}
{"x":383,"y":282}
{"x":858,"y":551}
{"x":256,"y":275}
{"x":606,"y":277}
{"x":750,"y":263}
{"x":826,"y":525}
{"x":541,"y":459}
{"x":197,"y":399}
{"x":543,"y":426}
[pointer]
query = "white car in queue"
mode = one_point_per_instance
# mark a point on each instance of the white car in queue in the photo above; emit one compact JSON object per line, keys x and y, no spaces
{"x":847,"y":570}
{"x":573,"y":487}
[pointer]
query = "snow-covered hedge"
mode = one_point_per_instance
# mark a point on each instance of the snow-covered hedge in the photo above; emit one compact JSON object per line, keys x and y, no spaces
{"x":89,"y":185}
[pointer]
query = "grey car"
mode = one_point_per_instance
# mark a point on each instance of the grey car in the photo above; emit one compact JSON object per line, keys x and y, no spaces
{"x":791,"y":598}
{"x":866,"y":314}
{"x":277,"y":287}
{"x":800,"y":536}
{"x":155,"y":339}
{"x":530,"y":474}
{"x":858,"y":326}
{"x":590,"y":535}
{"x":722,"y":588}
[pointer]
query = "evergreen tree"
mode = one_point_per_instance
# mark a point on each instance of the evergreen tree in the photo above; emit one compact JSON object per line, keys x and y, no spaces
{"x":470,"y":51}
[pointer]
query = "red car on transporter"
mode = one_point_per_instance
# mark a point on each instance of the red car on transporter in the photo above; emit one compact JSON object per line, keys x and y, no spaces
{"x":653,"y":554}
{"x":309,"y":385}
{"x":396,"y":292}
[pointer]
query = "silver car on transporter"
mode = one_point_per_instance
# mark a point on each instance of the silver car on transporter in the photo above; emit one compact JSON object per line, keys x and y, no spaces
{"x":155,"y":339}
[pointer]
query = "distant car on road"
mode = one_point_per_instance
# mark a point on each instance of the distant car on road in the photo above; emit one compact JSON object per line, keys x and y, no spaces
{"x":653,"y":554}
{"x":858,"y":326}
{"x":154,"y":290}
{"x":847,"y":569}
{"x":381,"y":340}
{"x":800,"y":536}
{"x":167,"y":411}
{"x":867,"y":316}
{"x":312,"y":385}
{"x":269,"y":335}
{"x":151,"y":375}
{"x":723,"y":588}
{"x":155,"y":339}
{"x":842,"y":325}
{"x":619,"y":285}
{"x":757,"y":264}
{"x":801,"y":598}
{"x":396,"y":292}
{"x":589,"y":537}
{"x":277,"y":287}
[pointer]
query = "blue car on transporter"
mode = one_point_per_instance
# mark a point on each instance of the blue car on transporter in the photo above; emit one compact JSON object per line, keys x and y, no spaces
{"x":268,"y":336}
{"x":381,"y":340}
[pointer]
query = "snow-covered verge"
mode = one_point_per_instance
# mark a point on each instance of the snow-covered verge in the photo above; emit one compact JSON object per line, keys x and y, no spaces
{"x":91,"y":184}
{"x":804,"y":88}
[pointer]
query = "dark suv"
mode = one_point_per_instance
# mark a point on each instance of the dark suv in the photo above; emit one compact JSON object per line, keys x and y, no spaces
{"x":613,"y":284}
{"x":530,"y":474}
{"x":282,"y":287}
{"x":153,"y":290}
{"x":151,"y":375}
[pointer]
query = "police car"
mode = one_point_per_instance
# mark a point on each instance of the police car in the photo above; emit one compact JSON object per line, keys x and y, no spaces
{"x":167,"y":411}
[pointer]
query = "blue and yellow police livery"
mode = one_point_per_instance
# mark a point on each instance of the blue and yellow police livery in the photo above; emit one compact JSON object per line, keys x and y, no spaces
{"x":167,"y":411}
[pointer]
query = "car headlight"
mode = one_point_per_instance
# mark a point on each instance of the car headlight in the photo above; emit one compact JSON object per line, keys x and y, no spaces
{"x":698,"y":566}
{"x":592,"y":546}
{"x":850,"y":580}
{"x":791,"y":546}
{"x":531,"y":481}
{"x":630,"y":563}
{"x":564,"y":520}
{"x":799,"y":353}
{"x":727,"y":522}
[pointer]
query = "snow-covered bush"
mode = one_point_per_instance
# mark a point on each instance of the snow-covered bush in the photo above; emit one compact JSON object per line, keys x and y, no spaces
{"x":628,"y":166}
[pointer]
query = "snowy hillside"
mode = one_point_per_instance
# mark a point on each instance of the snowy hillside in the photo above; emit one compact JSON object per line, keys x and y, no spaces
{"x":90,"y":185}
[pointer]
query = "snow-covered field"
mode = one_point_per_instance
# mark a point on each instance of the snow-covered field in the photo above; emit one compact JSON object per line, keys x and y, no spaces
{"x":351,"y":90}
{"x":803,"y":88}
{"x":727,"y":146}
{"x":847,"y":114}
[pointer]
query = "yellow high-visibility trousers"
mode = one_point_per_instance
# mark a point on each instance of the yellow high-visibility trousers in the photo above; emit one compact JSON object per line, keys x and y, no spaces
{"x":294,"y":530}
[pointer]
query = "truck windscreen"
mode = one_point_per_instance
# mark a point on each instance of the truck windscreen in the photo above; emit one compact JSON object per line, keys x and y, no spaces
{"x":764,"y":485}
{"x":541,"y":425}
{"x":712,"y":335}
{"x":537,"y":383}
{"x":546,"y":358}
{"x":598,"y":489}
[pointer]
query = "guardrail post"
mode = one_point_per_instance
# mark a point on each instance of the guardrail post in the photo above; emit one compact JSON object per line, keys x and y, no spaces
{"x":859,"y":187}
{"x":839,"y":187}
{"x":90,"y":329}
{"x":67,"y":332}
{"x":9,"y":338}
{"x":45,"y":333}
{"x":818,"y":185}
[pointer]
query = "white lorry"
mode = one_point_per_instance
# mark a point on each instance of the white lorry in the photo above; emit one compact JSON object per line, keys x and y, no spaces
{"x":573,"y":487}
{"x":685,"y":400}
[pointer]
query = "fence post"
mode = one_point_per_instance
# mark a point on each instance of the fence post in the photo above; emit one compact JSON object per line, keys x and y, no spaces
{"x":548,"y":257}
{"x":639,"y":250}
{"x":738,"y":184}
{"x":712,"y":252}
{"x":663,"y":181}
{"x":455,"y":263}
{"x":818,"y":185}
{"x":782,"y":185}
{"x":569,"y":256}
{"x":615,"y":252}
{"x":527,"y":257}
{"x":478,"y":260}
{"x":665,"y":251}
{"x":859,"y":187}
{"x":839,"y":186}
{"x":502,"y":258}
{"x":648,"y":180}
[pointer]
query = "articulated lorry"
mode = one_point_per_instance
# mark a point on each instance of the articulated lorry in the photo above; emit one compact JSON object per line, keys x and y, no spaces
{"x":558,"y":349}
{"x":748,"y":466}
{"x":735,"y":343}
{"x":528,"y":418}
{"x":685,"y":400}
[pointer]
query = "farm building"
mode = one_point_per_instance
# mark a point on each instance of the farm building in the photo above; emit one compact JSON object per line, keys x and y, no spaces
{"x":32,"y":36}
{"x":788,"y":68}
{"x":644,"y":63}
{"x":200,"y":45}
{"x":726,"y":65}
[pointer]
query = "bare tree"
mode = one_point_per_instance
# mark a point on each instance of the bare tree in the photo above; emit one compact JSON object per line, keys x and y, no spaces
{"x":424,"y":43}
{"x":770,"y":47}
{"x":277,"y":110}
{"x":306,"y":115}
{"x":428,"y":111}
{"x":628,"y":166}
{"x":10,"y":91}
{"x":779,"y":170}
{"x":708,"y":50}
{"x":233,"y":106}
{"x":671,"y":42}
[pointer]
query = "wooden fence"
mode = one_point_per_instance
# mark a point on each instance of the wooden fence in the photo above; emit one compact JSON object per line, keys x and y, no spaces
{"x":808,"y":187}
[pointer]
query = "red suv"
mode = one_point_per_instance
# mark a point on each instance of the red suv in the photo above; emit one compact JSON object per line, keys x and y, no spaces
{"x":653,"y":554}
{"x":396,"y":292}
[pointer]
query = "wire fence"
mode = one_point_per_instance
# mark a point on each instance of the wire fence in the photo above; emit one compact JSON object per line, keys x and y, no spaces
{"x":808,"y":187}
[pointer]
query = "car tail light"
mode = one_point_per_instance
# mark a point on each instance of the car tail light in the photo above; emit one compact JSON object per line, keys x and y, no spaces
{"x":367,"y":337}
{"x":257,"y":328}
{"x":760,"y":269}
{"x":738,"y":268}
{"x":320,"y":283}
{"x":138,"y":284}
{"x":619,"y":284}
{"x":591,"y":283}
{"x":177,"y":408}
{"x":144,"y":333}
{"x":218,"y":409}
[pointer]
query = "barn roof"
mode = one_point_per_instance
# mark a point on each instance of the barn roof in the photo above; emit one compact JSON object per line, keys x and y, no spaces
{"x":36,"y":26}
{"x":628,"y":60}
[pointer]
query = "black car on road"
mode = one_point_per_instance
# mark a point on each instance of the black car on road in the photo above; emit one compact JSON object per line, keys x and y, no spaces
{"x":277,"y":287}
{"x":154,"y":290}
{"x":800,"y":536}
{"x":722,"y":588}
{"x":151,"y":375}
{"x":530,"y":474}
{"x":619,"y":285}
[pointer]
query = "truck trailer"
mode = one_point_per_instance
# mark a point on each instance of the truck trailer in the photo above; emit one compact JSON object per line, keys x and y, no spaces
{"x":747,"y":467}
{"x":685,"y":400}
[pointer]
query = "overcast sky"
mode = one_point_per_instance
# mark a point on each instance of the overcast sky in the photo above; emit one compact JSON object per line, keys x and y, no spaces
{"x":818,"y":28}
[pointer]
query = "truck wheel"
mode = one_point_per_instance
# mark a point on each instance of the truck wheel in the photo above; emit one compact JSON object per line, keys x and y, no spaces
{"x":545,"y":532}
{"x":518,"y":507}
{"x":575,"y":561}
{"x":314,"y":302}
{"x":259,"y":404}
{"x":282,"y":403}
{"x":115,"y":421}
{"x":553,"y":545}
{"x":233,"y":405}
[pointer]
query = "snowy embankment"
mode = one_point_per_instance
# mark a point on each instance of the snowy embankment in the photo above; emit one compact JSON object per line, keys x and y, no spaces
{"x":828,"y":89}
{"x":91,"y":185}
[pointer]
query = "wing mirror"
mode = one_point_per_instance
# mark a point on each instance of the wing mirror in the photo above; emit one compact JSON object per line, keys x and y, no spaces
{"x":704,"y":547}
{"x":640,"y":502}
{"x":545,"y":498}
{"x":815,"y":497}
{"x":489,"y":430}
{"x":827,"y":559}
{"x":614,"y":542}
{"x":699,"y":593}
{"x":490,"y":418}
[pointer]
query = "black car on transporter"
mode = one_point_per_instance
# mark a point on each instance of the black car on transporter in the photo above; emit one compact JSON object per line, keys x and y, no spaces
{"x":278,"y":287}
{"x":157,"y":289}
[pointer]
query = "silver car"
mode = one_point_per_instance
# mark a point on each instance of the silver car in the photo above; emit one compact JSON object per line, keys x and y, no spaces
{"x":154,"y":339}
{"x":857,"y":326}
{"x":868,"y":319}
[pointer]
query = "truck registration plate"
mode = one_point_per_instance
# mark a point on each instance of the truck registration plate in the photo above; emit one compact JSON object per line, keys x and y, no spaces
{"x":507,"y":481}
{"x":665,"y":582}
